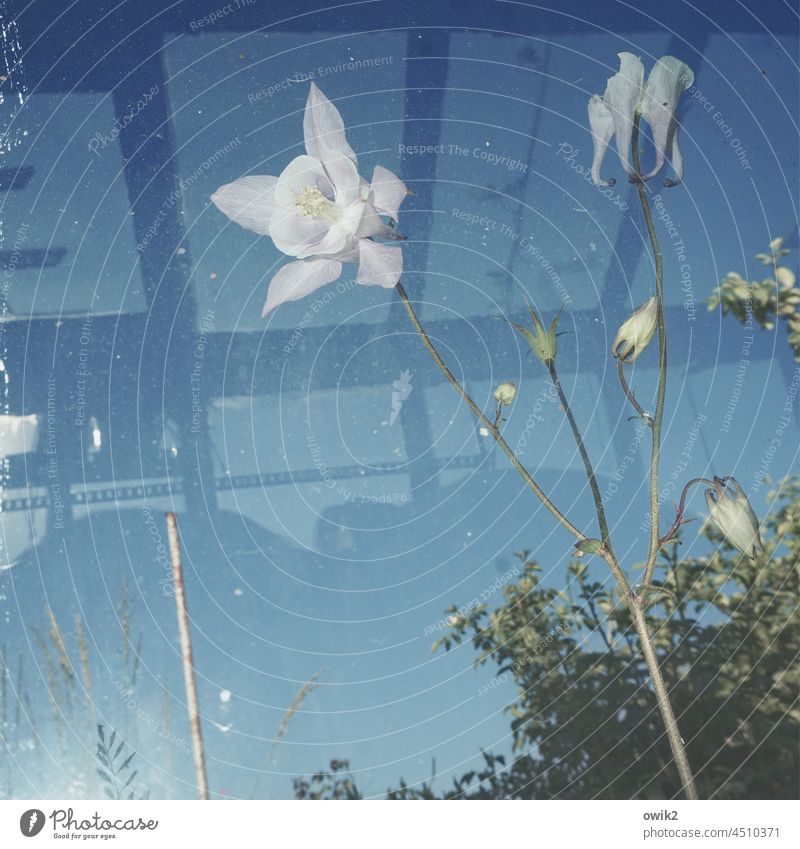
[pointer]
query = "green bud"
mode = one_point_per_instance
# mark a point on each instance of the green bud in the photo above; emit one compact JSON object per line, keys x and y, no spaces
{"x":542,"y":342}
{"x":588,"y":546}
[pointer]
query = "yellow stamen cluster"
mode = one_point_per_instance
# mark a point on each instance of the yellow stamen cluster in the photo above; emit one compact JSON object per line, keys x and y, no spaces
{"x":310,"y":201}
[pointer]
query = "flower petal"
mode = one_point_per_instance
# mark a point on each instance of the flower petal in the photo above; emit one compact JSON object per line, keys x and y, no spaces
{"x":379,"y":265}
{"x":636,"y":331}
{"x":623,"y":94}
{"x":675,"y":157}
{"x":344,"y":177}
{"x":601,"y":124}
{"x":373,"y":226}
{"x":323,"y":128}
{"x":249,"y":201}
{"x":305,"y":236}
{"x":388,"y":191}
{"x":298,"y":279}
{"x":667,"y":81}
{"x":730,"y":510}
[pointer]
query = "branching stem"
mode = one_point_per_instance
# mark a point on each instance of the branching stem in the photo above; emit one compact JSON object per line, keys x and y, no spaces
{"x":634,"y":601}
{"x":673,"y":531}
{"x":492,"y":427}
{"x":636,"y":604}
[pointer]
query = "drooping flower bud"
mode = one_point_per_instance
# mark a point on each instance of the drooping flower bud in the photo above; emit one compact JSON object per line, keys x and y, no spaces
{"x":542,"y":342}
{"x":636,"y":332}
{"x":505,"y":393}
{"x":730,"y":510}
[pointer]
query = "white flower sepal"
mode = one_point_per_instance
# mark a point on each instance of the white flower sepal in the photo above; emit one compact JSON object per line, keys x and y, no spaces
{"x":730,"y":510}
{"x":626,"y":95}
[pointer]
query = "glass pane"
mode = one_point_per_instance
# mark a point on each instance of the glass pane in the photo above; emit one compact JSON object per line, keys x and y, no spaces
{"x":340,"y":506}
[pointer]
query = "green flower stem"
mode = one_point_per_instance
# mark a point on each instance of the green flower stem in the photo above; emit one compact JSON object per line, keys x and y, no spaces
{"x":661,"y":392}
{"x":673,"y":531}
{"x":662,"y":697}
{"x":492,"y":427}
{"x":489,"y":425}
{"x":587,"y":463}
{"x":635,"y":601}
{"x":644,"y":416}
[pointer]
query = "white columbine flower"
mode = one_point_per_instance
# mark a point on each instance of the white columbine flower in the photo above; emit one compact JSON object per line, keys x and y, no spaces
{"x":636,"y":332}
{"x":657,"y":102}
{"x":321,"y":211}
{"x":731,"y":512}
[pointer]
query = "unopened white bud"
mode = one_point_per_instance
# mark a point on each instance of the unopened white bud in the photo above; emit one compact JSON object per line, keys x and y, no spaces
{"x":505,"y":393}
{"x":636,"y":332}
{"x":730,"y":510}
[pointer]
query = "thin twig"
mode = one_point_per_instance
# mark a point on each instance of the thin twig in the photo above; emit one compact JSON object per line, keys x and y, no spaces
{"x":587,"y":463}
{"x":186,"y":651}
{"x":489,"y":425}
{"x":662,"y":697}
{"x":299,"y":697}
{"x":165,"y":731}
{"x":605,"y":553}
{"x":643,"y":415}
{"x":671,"y":533}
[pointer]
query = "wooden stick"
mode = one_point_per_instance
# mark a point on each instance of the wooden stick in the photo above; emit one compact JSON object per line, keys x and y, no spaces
{"x":186,"y":651}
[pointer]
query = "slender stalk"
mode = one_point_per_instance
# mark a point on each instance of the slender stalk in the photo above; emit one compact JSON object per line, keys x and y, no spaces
{"x":165,"y":730}
{"x":635,"y":601}
{"x":489,"y":425}
{"x":662,"y":697}
{"x":492,"y":427}
{"x":643,"y":415}
{"x":186,"y":651}
{"x":587,"y":463}
{"x":661,"y":391}
{"x":299,"y":697}
{"x":672,"y":532}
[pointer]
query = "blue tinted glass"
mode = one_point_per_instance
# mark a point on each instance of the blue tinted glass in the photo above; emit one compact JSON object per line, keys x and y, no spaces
{"x":339,"y":504}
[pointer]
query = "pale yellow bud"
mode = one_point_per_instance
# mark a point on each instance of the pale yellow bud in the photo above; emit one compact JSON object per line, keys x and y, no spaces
{"x":636,"y":332}
{"x":505,"y":393}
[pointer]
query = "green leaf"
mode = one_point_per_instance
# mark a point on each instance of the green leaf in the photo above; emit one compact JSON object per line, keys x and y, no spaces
{"x":589,"y":546}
